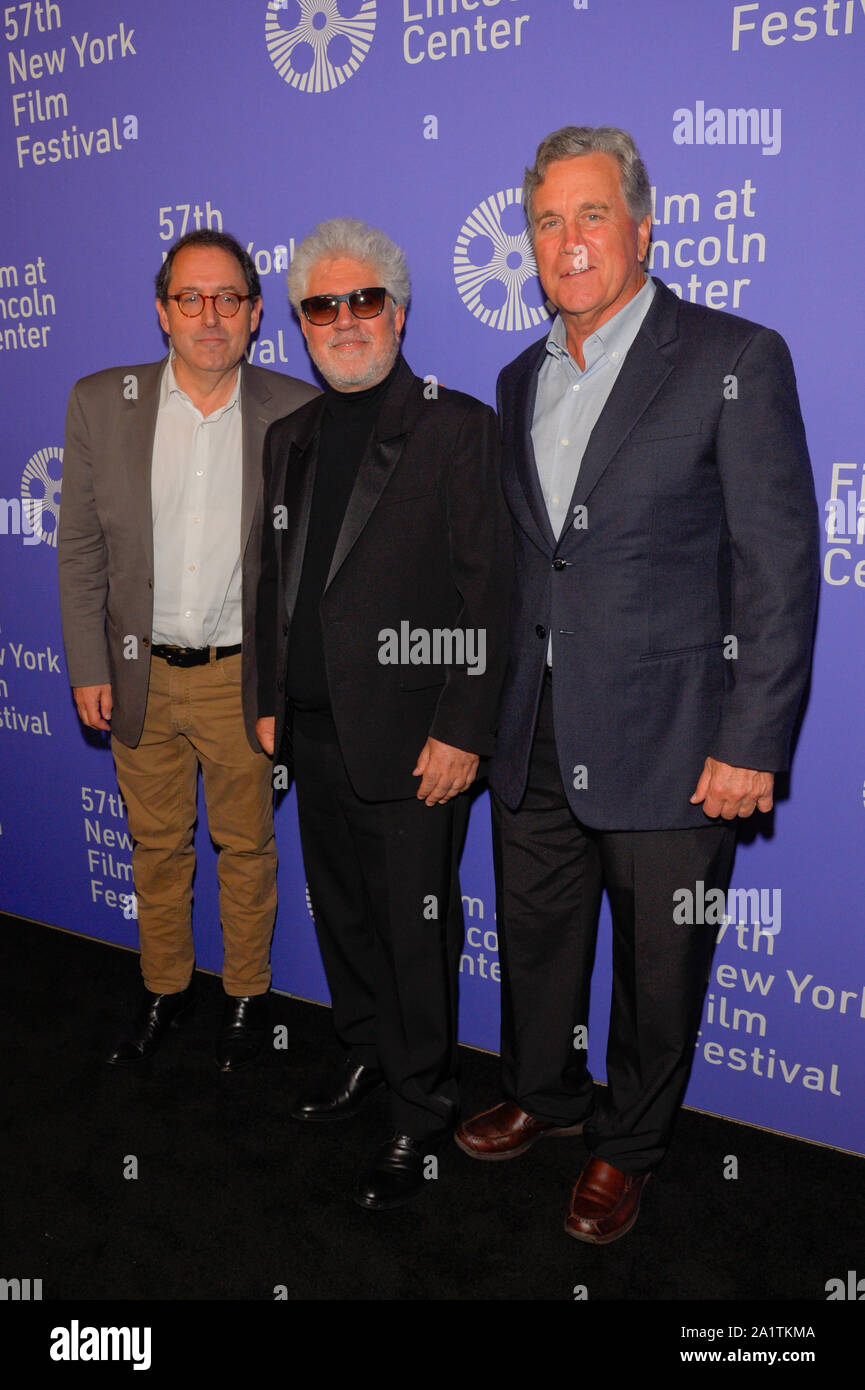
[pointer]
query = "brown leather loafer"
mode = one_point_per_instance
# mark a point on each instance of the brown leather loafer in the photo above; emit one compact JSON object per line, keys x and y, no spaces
{"x":506,"y":1131}
{"x":605,"y":1203}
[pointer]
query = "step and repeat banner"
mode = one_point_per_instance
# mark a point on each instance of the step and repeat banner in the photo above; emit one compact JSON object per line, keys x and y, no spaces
{"x":124,"y":124}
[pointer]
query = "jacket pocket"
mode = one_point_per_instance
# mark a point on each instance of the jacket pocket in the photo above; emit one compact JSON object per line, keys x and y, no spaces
{"x":682,"y":651}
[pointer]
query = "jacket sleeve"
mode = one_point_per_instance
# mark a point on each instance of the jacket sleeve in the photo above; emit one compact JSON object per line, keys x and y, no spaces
{"x":480,"y":551}
{"x":773,"y":529}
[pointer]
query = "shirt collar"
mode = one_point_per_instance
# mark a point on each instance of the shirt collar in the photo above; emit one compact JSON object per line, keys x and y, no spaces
{"x":614,"y":337}
{"x":169,"y":388}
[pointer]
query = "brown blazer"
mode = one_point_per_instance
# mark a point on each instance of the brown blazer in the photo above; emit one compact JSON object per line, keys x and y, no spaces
{"x":105,"y":544}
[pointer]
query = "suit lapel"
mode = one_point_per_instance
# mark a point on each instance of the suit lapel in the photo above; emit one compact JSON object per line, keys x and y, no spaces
{"x":140,"y":424}
{"x":377,"y":465}
{"x":524,"y":451}
{"x":254,"y":394}
{"x":295,"y":490}
{"x":647,"y":365}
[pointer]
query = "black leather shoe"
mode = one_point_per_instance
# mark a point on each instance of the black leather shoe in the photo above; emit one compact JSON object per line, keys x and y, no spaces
{"x":244,"y":1024}
{"x":397,"y":1173}
{"x":158,"y":1013}
{"x":341,"y":1097}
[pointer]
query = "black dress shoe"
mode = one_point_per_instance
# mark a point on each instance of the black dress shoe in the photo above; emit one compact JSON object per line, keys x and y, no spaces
{"x":341,"y":1097}
{"x":244,"y":1023}
{"x":397,"y":1173}
{"x":158,"y":1013}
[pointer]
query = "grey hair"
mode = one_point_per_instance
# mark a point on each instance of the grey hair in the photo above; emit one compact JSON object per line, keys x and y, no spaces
{"x":574,"y":140}
{"x":347,"y":236}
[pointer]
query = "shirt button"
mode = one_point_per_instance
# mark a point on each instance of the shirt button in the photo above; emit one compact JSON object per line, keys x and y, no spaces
{"x":555,"y":501}
{"x":615,"y":356}
{"x":192,"y":569}
{"x":576,"y":386}
{"x":199,"y":472}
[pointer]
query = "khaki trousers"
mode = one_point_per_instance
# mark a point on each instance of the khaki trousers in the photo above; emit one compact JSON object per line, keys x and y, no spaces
{"x":194,"y":719}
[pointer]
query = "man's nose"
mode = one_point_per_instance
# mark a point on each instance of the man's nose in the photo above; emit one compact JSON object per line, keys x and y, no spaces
{"x":570,"y":238}
{"x":209,"y":313}
{"x":345,"y":318}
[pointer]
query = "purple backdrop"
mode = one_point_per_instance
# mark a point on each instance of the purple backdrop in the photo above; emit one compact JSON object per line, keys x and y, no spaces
{"x":126,"y":123}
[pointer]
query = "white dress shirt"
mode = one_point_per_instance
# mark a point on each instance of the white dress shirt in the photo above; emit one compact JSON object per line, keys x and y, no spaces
{"x":196,"y":491}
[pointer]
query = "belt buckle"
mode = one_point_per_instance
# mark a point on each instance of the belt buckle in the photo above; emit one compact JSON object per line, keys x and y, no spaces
{"x":178,"y":656}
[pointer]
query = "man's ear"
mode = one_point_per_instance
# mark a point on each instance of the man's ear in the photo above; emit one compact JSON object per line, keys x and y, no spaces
{"x":644,"y":234}
{"x":163,"y":318}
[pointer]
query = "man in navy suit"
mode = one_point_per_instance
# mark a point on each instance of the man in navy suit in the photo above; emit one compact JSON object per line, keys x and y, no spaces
{"x":665,"y":526}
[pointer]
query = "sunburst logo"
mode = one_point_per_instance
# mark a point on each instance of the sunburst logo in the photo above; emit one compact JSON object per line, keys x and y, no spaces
{"x":494,"y":265}
{"x":317,"y":45}
{"x":41,"y":482}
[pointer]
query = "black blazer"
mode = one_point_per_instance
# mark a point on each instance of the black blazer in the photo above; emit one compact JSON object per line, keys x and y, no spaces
{"x":425,"y":540}
{"x":700,"y":526}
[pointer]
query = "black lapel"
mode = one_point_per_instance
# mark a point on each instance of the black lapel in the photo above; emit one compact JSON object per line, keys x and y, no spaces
{"x":253,"y":396}
{"x":381,"y":458}
{"x":296,"y":493}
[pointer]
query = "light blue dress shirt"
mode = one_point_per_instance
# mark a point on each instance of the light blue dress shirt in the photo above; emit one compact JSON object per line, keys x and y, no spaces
{"x":569,"y":402}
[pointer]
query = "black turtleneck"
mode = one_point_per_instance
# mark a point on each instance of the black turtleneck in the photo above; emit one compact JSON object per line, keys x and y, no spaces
{"x":348,"y":418}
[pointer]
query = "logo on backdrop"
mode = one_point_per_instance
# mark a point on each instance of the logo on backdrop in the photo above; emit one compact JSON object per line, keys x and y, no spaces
{"x":494,"y":266}
{"x":40,"y":492}
{"x":844,"y":559}
{"x":314,"y":45}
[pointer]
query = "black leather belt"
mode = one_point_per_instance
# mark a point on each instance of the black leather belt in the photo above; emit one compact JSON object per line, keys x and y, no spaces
{"x":192,"y":656}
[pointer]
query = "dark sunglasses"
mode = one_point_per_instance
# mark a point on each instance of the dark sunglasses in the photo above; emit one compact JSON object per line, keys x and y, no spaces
{"x":322,"y":309}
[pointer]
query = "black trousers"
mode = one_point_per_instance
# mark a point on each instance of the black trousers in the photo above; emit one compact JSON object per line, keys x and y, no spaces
{"x":550,"y":874}
{"x":385,"y":894}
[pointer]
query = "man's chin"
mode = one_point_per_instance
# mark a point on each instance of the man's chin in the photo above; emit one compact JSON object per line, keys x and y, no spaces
{"x":354,"y":376}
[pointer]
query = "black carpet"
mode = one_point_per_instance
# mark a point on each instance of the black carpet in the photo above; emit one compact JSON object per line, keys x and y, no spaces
{"x":235,"y":1201}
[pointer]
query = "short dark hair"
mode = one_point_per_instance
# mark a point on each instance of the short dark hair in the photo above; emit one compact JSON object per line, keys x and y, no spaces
{"x":205,"y":236}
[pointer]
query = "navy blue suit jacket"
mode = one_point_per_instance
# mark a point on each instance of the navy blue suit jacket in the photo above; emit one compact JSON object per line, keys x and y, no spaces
{"x":700,"y":526}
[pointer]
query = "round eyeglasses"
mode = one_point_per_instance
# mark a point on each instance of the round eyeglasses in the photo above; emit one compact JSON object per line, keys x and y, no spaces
{"x":191,"y":303}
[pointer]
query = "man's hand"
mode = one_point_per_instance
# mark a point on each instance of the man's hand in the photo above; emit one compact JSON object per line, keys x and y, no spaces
{"x":733,"y":791}
{"x":94,"y":704}
{"x":444,"y":771}
{"x":265,"y":731}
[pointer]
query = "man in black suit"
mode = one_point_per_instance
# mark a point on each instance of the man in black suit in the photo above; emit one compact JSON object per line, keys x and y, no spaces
{"x":381,"y":642}
{"x":665,"y":525}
